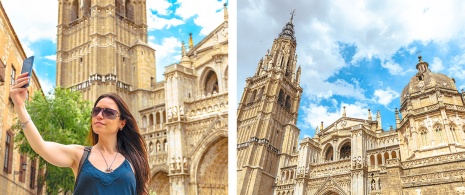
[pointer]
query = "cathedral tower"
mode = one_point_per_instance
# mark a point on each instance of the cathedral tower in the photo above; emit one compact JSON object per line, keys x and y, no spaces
{"x":102,"y":47}
{"x":267,"y":114}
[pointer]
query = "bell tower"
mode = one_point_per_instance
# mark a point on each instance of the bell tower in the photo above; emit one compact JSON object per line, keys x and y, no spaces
{"x":102,"y":47}
{"x":267,"y":115}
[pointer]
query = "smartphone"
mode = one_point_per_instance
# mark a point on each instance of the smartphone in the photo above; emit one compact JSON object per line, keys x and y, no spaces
{"x":27,"y":67}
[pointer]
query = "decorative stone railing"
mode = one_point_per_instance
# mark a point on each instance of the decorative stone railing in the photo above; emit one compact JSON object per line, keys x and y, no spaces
{"x":392,"y":162}
{"x":455,"y":107}
{"x":100,"y":78}
{"x":207,"y":104}
{"x":434,"y":160}
{"x":262,"y":141}
{"x":433,"y":178}
{"x":331,"y":168}
{"x":158,"y":158}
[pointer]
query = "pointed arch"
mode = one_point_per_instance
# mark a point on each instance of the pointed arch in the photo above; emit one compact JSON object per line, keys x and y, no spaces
{"x":386,"y":157}
{"x":345,"y":150}
{"x":439,"y":134}
{"x":393,"y":154}
{"x":372,"y":160}
{"x":260,"y":93}
{"x":150,"y":147}
{"x":158,"y":148}
{"x":74,"y":11}
{"x":329,"y":153}
{"x":157,"y":118}
{"x":144,"y":121}
{"x":424,"y":136}
{"x":453,"y":132}
{"x":150,"y":120}
{"x":281,"y":97}
{"x":129,"y":10}
{"x":287,"y":103}
{"x":119,"y":6}
{"x":160,"y":183}
{"x":165,"y":145}
{"x":379,"y":158}
{"x":209,"y":81}
{"x":86,"y":8}
{"x":252,"y":97}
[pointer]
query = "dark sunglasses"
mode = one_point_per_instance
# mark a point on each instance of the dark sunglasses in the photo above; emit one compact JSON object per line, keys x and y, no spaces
{"x":106,"y":112}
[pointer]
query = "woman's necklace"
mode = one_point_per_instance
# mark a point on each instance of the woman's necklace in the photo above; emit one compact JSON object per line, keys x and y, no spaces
{"x":108,"y":170}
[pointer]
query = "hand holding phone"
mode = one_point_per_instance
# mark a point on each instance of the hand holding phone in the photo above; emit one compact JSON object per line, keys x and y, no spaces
{"x":27,"y":67}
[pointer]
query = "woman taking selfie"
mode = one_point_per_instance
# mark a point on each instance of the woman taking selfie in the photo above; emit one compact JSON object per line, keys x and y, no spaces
{"x":117,"y":162}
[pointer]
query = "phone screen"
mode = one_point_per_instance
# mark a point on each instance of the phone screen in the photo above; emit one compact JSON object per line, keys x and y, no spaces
{"x":27,"y":67}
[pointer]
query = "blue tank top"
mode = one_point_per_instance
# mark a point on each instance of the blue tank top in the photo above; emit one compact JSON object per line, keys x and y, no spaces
{"x":93,"y":181}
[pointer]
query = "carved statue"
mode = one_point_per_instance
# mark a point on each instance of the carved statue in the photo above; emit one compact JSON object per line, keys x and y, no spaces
{"x":184,"y":163}
{"x":181,"y":111}
{"x":170,"y":115}
{"x":173,"y":165}
{"x":175,"y":111}
{"x":178,"y":163}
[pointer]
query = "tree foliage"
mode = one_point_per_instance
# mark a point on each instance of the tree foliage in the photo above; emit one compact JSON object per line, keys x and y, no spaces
{"x":62,"y":117}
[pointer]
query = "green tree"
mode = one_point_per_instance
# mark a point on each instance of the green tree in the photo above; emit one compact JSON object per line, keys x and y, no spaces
{"x":62,"y":117}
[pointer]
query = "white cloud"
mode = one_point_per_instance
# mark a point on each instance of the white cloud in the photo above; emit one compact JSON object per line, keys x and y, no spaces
{"x":51,"y":57}
{"x":375,"y":32}
{"x":315,"y":114}
{"x":167,"y":53}
{"x":393,"y":67}
{"x":385,"y":97}
{"x":457,"y":68}
{"x":45,"y":83}
{"x":208,"y":14}
{"x":159,"y":6}
{"x":156,"y":23}
{"x":436,"y":65}
{"x":39,"y":22}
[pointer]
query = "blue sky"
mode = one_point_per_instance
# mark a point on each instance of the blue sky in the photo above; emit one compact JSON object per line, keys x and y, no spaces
{"x":169,"y":23}
{"x":357,"y":54}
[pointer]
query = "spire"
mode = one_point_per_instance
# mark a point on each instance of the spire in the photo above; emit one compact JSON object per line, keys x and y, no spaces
{"x":299,"y":71}
{"x":225,"y":12}
{"x":260,"y":67}
{"x":191,"y":42}
{"x":344,"y":111}
{"x":288,"y":30}
{"x":397,"y":118}
{"x":185,"y":60}
{"x":183,"y":47}
{"x":369,"y":115}
{"x":317,"y":131}
{"x":378,"y":118}
{"x":321,"y":127}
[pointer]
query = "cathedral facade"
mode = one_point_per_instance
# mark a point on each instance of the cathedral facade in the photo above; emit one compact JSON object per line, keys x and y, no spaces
{"x":423,"y":154}
{"x":102,"y":47}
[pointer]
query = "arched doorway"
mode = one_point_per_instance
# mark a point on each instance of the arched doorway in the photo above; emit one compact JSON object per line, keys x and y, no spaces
{"x":330,"y":193}
{"x":212,"y":173}
{"x":160,"y":184}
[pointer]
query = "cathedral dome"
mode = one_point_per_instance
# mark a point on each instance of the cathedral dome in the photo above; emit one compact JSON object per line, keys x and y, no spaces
{"x":425,"y":80}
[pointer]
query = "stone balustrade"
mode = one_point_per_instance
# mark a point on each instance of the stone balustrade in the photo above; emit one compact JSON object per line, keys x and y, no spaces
{"x":434,"y":160}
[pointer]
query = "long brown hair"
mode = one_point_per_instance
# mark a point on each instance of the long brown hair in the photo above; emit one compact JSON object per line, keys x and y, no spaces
{"x":129,"y":143}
